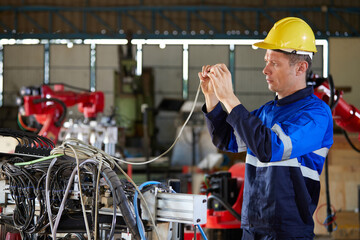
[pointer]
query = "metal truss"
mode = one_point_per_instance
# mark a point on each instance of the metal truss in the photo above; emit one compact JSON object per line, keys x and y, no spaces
{"x":176,"y":22}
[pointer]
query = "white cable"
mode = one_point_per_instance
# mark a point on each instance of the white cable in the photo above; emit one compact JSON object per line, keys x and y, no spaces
{"x":47,"y":194}
{"x":84,"y":151}
{"x":175,"y":141}
{"x":81,"y":195}
{"x":67,"y":190}
{"x":97,"y":198}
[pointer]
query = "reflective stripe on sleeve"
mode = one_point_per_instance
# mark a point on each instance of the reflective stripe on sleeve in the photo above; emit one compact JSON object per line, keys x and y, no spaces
{"x":322,"y":152}
{"x":285,"y":163}
{"x":286,"y":140}
{"x":241,"y":144}
{"x":310,"y":173}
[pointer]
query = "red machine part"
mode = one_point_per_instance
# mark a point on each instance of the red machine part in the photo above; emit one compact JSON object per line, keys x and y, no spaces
{"x":50,"y":106}
{"x":13,"y":236}
{"x":224,"y":219}
{"x":345,"y":115}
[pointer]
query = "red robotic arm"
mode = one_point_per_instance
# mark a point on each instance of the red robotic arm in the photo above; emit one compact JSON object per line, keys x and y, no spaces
{"x":344,"y":114}
{"x":49,"y":106}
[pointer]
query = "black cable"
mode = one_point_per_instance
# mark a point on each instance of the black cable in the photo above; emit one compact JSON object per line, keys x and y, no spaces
{"x":63,"y":115}
{"x":113,"y":223}
{"x":332,"y":92}
{"x":69,"y":86}
{"x":121,"y":200}
{"x":225,"y":205}
{"x":26,"y":183}
{"x":28,"y":142}
{"x":350,"y":142}
{"x":332,"y":104}
{"x":329,"y":218}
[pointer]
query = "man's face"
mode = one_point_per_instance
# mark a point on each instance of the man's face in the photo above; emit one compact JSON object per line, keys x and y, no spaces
{"x":280,"y":75}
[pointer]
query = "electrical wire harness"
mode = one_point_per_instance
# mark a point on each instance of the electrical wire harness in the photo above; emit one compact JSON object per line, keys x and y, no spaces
{"x":77,"y":190}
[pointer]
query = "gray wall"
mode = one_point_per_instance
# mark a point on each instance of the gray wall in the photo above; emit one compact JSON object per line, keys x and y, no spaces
{"x":107,"y":63}
{"x":23,"y":66}
{"x":167,"y":67}
{"x":344,"y":63}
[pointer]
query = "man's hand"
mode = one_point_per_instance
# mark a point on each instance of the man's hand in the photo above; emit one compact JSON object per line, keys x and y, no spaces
{"x":207,"y":88}
{"x":206,"y":85}
{"x":220,"y":77}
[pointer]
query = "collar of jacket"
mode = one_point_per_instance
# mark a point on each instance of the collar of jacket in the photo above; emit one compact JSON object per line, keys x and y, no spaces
{"x":303,"y":93}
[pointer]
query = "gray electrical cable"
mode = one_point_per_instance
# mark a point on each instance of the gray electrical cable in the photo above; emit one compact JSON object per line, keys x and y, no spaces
{"x":97,"y":199}
{"x":62,"y":206}
{"x":47,"y":194}
{"x":81,"y":195}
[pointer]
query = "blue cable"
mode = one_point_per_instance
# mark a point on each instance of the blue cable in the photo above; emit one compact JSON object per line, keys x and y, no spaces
{"x":138,"y":220}
{"x":201,"y":231}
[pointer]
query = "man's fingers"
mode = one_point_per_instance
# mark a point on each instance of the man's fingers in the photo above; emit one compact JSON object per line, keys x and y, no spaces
{"x":201,"y":77}
{"x":205,"y":70}
{"x":215,"y":70}
{"x":222,"y":68}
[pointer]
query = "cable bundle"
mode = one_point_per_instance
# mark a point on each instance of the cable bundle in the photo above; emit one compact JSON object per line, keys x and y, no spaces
{"x":51,"y":182}
{"x":29,"y":143}
{"x":26,"y":187}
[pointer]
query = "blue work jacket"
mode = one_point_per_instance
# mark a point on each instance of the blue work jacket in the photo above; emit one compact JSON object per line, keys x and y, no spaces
{"x":287,"y":141}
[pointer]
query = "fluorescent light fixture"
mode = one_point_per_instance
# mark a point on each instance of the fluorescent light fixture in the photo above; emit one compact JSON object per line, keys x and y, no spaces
{"x":30,"y":41}
{"x":106,"y":41}
{"x":11,"y":41}
{"x":195,"y":41}
{"x":59,"y":41}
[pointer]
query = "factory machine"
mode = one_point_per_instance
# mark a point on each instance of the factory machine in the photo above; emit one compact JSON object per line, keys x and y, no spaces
{"x":74,"y":191}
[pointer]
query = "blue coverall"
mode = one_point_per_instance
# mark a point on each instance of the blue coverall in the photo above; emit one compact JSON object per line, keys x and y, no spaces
{"x":287,"y":141}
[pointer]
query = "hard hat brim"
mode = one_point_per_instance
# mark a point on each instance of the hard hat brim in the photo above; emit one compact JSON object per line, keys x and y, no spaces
{"x":265,"y":45}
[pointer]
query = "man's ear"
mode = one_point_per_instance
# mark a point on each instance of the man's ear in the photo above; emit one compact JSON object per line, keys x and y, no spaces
{"x":302,"y":67}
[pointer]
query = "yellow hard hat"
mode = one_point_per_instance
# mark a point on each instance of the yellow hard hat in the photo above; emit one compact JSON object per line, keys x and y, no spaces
{"x":290,"y":33}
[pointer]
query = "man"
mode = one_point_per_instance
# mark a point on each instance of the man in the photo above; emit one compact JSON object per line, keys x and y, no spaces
{"x":287,"y":139}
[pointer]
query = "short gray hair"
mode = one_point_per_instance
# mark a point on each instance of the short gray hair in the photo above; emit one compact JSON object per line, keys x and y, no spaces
{"x":296,"y":58}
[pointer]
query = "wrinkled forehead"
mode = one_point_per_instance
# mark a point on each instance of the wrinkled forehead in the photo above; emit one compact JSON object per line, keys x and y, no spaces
{"x":272,"y":55}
